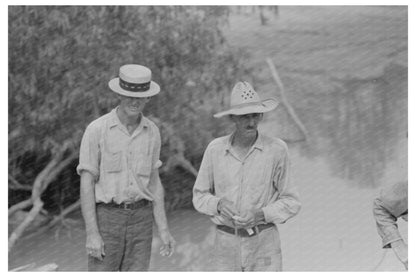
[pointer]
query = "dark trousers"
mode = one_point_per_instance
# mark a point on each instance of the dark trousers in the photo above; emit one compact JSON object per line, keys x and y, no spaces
{"x":127,"y":236}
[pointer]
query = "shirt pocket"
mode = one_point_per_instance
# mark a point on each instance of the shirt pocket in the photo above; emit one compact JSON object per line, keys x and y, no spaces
{"x":258,"y":181}
{"x":143,"y":163}
{"x":144,"y":168}
{"x":112,"y":161}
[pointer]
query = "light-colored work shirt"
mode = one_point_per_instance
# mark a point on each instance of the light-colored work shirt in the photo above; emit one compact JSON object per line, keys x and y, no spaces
{"x":390,"y":205}
{"x":121,"y":163}
{"x":259,"y":181}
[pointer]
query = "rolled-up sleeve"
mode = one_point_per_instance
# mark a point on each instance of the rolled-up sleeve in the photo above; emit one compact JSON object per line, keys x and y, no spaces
{"x":89,"y":153}
{"x":204,"y":198}
{"x":285,"y":201}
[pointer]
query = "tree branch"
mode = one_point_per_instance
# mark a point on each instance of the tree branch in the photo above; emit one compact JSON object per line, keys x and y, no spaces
{"x":176,"y":149}
{"x":17,"y":185}
{"x":38,"y":184}
{"x":37,"y":206}
{"x":20,"y":206}
{"x":43,"y":179}
{"x":56,"y":219}
{"x":58,"y":169}
{"x":179,"y":159}
{"x":288,"y":107}
{"x":65,"y":212}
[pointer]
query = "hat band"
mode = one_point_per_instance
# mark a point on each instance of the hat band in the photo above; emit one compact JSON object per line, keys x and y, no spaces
{"x":134,"y":87}
{"x":243,"y":105}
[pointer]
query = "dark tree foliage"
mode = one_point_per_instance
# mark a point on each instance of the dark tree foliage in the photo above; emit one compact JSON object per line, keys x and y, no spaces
{"x":62,"y":57}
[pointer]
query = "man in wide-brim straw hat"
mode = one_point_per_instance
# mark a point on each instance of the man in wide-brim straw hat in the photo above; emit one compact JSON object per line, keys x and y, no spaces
{"x":121,"y":191}
{"x":243,"y":184}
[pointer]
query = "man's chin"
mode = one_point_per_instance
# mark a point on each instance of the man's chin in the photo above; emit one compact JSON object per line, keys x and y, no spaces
{"x":133,"y":112}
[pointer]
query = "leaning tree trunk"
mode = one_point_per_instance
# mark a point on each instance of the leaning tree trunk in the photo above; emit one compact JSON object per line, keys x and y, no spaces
{"x":285,"y":102}
{"x":42,"y":181}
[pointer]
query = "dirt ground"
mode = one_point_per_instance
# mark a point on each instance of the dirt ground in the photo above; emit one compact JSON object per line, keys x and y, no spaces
{"x":312,"y":47}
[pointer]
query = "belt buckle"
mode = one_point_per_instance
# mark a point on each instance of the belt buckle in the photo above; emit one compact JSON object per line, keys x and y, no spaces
{"x":242,"y":232}
{"x":126,"y":206}
{"x":252,"y":232}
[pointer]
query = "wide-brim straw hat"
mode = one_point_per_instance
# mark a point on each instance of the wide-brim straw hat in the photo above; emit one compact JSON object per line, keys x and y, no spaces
{"x":245,"y":100}
{"x":134,"y":81}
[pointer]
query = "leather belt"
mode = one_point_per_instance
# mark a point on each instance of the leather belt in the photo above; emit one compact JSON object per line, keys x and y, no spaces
{"x":243,"y":232}
{"x":127,"y":205}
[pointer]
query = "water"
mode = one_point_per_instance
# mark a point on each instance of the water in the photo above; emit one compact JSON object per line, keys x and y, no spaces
{"x":345,"y":74}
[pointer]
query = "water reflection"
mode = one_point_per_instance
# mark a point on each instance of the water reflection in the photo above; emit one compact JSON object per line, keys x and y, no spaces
{"x":368,"y":130}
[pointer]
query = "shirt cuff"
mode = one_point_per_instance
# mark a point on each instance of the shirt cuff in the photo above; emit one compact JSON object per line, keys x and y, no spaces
{"x":158,"y":164}
{"x":213,"y":205}
{"x":270,"y":216}
{"x":90,"y":169}
{"x":267,"y":215}
{"x":391,"y":236}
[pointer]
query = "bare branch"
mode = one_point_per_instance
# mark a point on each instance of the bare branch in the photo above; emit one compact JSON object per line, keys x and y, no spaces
{"x":288,"y":107}
{"x":65,"y":212}
{"x":37,"y":206}
{"x":57,"y":170}
{"x":17,"y":185}
{"x":176,"y":149}
{"x":179,"y":159}
{"x":20,"y":206}
{"x":43,"y":179}
{"x":39,"y":184}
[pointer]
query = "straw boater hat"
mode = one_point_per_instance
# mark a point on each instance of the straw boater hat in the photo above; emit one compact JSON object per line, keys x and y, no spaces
{"x":134,"y":81}
{"x":245,"y":100}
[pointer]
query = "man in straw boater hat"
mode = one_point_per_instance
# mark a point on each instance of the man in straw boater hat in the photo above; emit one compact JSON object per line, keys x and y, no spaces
{"x":121,"y":191}
{"x":243,"y":184}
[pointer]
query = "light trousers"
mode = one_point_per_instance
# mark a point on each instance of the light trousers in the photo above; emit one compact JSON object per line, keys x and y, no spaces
{"x":261,"y":252}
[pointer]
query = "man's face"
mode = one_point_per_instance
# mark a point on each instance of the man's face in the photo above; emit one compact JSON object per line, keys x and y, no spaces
{"x":247,"y":124}
{"x":133,"y":106}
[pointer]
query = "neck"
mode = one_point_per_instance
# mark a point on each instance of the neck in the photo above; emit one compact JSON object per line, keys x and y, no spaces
{"x":244,"y":140}
{"x":127,"y":120}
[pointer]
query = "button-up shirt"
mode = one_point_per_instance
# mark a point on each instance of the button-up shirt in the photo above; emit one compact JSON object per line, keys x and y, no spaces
{"x":258,"y":181}
{"x":388,"y":207}
{"x":120,"y":162}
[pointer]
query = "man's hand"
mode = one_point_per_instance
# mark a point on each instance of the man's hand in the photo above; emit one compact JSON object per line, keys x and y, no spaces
{"x":227,"y":209}
{"x":400,"y":249}
{"x":169,"y":243}
{"x":95,"y":246}
{"x":249,"y":219}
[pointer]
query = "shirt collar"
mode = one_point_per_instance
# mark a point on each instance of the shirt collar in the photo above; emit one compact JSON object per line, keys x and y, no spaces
{"x":115,"y":121}
{"x":259,"y":143}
